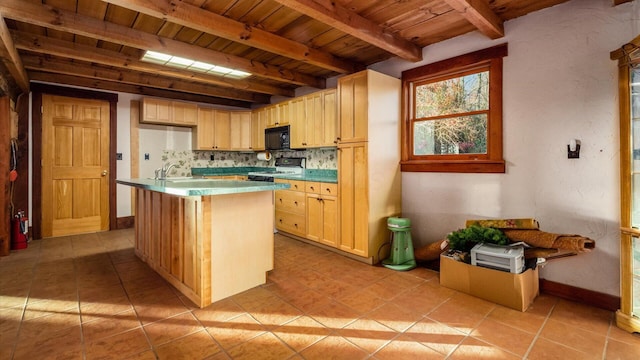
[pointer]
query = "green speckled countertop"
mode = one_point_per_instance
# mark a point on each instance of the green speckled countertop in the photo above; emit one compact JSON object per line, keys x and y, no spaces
{"x":201,"y":187}
{"x":321,"y":175}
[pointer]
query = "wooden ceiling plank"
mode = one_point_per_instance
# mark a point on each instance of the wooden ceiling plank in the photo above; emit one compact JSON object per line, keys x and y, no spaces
{"x":355,"y":25}
{"x":11,"y":57}
{"x":42,"y":44}
{"x":49,"y":17}
{"x":182,"y":13}
{"x":131,"y":89}
{"x":60,"y":66}
{"x":478,"y":13}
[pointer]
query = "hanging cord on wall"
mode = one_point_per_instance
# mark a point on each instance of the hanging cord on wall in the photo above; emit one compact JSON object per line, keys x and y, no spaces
{"x":13,"y":173}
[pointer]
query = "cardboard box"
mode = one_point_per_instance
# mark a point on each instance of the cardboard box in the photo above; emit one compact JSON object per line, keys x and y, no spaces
{"x":516,"y":291}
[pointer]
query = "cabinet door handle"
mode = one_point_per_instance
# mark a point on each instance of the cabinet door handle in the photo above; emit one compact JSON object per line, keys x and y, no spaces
{"x":280,"y":221}
{"x":296,"y":203}
{"x":312,"y":188}
{"x":328,"y":190}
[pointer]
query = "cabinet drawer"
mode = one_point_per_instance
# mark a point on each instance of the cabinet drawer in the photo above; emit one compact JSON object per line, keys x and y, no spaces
{"x":296,"y":185}
{"x":291,"y":223}
{"x":321,"y":188}
{"x":292,"y":201}
{"x":312,"y":187}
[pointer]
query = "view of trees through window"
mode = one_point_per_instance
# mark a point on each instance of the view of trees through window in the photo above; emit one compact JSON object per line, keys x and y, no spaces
{"x":451,"y":115}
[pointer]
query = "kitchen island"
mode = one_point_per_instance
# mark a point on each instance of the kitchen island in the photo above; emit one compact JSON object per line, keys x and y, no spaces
{"x":210,"y":239}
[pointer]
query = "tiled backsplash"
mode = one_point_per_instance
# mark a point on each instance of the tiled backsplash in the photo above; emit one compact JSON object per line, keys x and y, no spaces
{"x":316,"y":159}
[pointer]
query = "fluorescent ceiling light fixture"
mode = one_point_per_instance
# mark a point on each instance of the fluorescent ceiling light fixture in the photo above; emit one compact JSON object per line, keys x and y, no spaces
{"x":188,"y":64}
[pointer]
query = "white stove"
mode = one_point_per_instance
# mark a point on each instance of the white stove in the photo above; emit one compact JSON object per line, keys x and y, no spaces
{"x":284,"y":167}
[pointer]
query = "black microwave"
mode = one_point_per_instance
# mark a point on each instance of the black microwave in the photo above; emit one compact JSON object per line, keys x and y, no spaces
{"x":277,"y":138}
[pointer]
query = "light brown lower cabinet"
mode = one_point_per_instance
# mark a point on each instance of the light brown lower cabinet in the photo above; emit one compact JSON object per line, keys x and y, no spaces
{"x":322,"y":213}
{"x":290,"y":208}
{"x":308,"y":210}
{"x":195,"y":242}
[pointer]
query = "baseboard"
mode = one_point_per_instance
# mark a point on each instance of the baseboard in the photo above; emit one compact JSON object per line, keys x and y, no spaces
{"x":125,"y":222}
{"x":584,"y":296}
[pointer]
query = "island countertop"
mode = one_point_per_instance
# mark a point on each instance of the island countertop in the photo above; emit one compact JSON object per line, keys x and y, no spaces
{"x":201,"y":187}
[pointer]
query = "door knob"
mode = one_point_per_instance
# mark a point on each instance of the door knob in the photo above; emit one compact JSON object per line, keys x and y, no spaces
{"x":104,"y":172}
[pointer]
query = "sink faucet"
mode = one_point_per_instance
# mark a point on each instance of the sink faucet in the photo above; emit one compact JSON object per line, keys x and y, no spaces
{"x":161,"y":173}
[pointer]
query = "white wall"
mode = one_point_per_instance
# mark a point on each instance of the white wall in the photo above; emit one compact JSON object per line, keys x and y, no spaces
{"x":559,"y":84}
{"x":153,"y":140}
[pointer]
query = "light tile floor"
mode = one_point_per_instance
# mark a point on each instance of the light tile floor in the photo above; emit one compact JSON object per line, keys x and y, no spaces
{"x":89,"y":297}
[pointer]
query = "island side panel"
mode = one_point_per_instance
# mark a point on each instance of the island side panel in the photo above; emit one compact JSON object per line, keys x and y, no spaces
{"x":169,"y":238}
{"x":242,"y":245}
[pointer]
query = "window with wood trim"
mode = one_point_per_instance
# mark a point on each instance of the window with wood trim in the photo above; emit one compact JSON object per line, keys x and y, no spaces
{"x":452,"y":114}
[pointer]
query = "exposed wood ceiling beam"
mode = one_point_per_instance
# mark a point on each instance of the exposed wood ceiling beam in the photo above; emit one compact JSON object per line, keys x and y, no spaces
{"x":11,"y":58}
{"x":132,"y":89}
{"x":480,"y":15}
{"x":62,"y":48}
{"x":182,"y":13}
{"x":66,"y":67}
{"x":339,"y":17}
{"x":53,"y":18}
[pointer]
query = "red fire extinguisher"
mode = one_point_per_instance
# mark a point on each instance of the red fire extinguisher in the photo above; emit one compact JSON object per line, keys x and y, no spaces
{"x":19,"y":231}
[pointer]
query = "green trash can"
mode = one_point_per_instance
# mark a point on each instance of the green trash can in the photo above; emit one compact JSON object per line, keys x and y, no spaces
{"x":401,"y":257}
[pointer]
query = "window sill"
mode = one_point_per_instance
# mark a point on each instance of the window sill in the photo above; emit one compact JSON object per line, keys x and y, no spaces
{"x":456,"y":166}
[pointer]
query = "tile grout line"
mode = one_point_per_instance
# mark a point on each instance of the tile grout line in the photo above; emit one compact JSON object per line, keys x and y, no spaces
{"x":151,"y":347}
{"x":26,"y":302}
{"x":539,"y":332}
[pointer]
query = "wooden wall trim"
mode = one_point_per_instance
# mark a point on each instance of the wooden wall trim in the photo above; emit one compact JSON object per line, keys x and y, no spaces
{"x":5,"y":141}
{"x":584,"y":296}
{"x":113,"y":148}
{"x":36,"y":156}
{"x":134,"y":142}
{"x":36,"y":125}
{"x":73,"y":92}
{"x":125,"y":222}
{"x":21,"y":185}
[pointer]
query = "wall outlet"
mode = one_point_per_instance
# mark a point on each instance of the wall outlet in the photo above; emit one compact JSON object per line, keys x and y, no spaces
{"x":211,"y":157}
{"x":146,"y":156}
{"x":118,"y":156}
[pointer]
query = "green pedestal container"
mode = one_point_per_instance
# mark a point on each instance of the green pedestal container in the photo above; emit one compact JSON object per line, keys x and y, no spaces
{"x":401,"y":257}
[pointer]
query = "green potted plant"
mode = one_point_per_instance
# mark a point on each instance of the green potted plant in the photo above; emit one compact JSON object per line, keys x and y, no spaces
{"x":465,"y":239}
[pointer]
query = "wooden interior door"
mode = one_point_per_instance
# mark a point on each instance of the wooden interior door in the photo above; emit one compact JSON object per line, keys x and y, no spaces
{"x":75,"y":163}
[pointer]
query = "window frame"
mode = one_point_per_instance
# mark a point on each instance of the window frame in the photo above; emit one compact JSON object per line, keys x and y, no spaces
{"x":492,"y":162}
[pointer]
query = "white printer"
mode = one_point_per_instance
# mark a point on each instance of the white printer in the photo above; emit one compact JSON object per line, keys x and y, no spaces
{"x":505,"y":258}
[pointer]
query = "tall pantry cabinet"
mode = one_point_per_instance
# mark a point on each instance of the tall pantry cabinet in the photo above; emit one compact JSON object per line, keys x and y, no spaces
{"x":370,"y":187}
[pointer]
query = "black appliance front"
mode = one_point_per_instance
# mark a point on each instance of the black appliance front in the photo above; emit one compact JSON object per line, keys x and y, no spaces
{"x":277,"y":138}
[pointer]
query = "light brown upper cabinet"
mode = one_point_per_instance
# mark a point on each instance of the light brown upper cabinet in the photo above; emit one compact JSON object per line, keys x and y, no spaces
{"x":166,"y":112}
{"x":272,"y":114}
{"x":213,"y":131}
{"x":315,"y":125}
{"x":222,"y":134}
{"x":329,"y":118}
{"x":240,"y":130}
{"x":284,"y":113}
{"x":298,"y":124}
{"x":258,"y":124}
{"x":354,"y":102}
